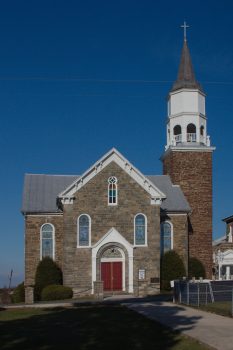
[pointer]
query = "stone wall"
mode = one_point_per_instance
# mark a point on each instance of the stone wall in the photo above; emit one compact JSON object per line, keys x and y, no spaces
{"x":92,"y":199}
{"x":180,"y":234}
{"x":33,"y":224}
{"x":193,"y":172}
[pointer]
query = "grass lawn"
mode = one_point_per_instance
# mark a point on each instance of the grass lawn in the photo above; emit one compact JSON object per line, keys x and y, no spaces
{"x":221,"y":308}
{"x":86,"y":327}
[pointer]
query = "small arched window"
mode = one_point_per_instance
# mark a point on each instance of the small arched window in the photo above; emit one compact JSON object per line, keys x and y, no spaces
{"x":112,"y":190}
{"x":47,"y":241}
{"x":177,"y":130}
{"x":84,"y":230}
{"x":177,"y":133}
{"x":191,"y":133}
{"x":140,"y":230}
{"x":166,"y":237}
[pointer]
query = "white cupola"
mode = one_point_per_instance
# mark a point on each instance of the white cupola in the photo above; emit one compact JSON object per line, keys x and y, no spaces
{"x":187,"y":122}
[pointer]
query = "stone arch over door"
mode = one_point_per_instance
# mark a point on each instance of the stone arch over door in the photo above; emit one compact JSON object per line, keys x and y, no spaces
{"x":124,"y":259}
{"x":113,"y":239}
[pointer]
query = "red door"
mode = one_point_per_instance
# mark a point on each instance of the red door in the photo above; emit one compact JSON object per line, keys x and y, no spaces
{"x":111,"y":275}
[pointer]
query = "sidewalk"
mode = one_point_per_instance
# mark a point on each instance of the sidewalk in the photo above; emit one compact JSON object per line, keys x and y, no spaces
{"x":213,"y":330}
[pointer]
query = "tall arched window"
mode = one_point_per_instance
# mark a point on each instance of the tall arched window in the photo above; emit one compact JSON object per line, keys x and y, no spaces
{"x":191,"y":133}
{"x":47,"y":241}
{"x":166,"y":237}
{"x":177,"y":133}
{"x":112,"y":190}
{"x":84,"y":230}
{"x":140,"y":230}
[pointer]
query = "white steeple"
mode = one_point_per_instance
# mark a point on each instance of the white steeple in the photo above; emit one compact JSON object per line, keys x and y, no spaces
{"x":187,"y":122}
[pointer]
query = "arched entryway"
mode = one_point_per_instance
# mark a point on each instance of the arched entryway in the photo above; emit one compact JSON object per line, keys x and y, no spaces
{"x":112,"y":269}
{"x":114,"y":249}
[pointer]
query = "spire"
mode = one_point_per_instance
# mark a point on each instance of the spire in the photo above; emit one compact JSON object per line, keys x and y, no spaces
{"x":186,"y":77}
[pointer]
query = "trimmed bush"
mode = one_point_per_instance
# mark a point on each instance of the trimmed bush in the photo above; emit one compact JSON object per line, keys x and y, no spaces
{"x":56,"y":292}
{"x":18,"y":295}
{"x":172,"y":267}
{"x":196,"y":268}
{"x":47,"y":272}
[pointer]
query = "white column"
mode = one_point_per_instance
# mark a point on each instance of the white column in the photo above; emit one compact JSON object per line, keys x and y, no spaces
{"x":227,"y":272}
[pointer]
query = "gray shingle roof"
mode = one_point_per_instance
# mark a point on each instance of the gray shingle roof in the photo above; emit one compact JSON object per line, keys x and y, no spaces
{"x":41,"y":191}
{"x":175,"y":199}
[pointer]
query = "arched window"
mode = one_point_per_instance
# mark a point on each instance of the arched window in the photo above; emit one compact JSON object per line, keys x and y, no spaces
{"x":112,"y":190}
{"x":191,"y":133}
{"x":166,"y":237}
{"x":47,"y":241}
{"x":177,"y":130}
{"x":177,"y":133}
{"x":140,"y":230}
{"x":84,"y":230}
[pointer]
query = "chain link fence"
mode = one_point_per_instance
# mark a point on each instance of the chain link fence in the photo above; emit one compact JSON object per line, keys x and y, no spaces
{"x":196,"y":293}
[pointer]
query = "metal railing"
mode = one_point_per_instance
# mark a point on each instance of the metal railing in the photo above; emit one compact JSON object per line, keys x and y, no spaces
{"x":178,"y":138}
{"x":191,"y":137}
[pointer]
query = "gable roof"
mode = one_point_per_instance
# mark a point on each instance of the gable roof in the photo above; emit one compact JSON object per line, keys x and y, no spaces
{"x":41,"y":191}
{"x":113,"y":156}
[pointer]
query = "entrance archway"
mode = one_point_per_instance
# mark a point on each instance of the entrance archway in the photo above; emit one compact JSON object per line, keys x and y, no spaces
{"x":112,"y":269}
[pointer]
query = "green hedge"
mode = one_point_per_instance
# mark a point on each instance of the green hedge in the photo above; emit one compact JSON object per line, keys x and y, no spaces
{"x":56,"y":292}
{"x":47,"y":272}
{"x":172,"y":268}
{"x":196,"y":268}
{"x":18,"y":295}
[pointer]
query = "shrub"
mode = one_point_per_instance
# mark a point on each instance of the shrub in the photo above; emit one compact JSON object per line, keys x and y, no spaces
{"x":47,"y":272}
{"x":18,"y":295}
{"x":172,"y":267}
{"x":56,"y":292}
{"x":196,"y":268}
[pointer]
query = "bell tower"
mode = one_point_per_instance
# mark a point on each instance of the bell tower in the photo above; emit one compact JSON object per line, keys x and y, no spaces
{"x":188,"y":156}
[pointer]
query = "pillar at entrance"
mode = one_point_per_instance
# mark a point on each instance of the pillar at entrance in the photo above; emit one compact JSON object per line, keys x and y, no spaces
{"x":29,"y":295}
{"x":98,"y":289}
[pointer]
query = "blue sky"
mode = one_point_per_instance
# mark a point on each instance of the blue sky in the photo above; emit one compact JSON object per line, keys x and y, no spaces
{"x":79,"y":77}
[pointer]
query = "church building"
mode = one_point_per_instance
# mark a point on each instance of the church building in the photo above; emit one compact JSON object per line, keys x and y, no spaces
{"x":110,"y":225}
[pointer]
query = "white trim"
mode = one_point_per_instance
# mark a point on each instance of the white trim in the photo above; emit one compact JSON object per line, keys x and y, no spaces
{"x":113,"y":237}
{"x":176,"y":214}
{"x":172,"y":232}
{"x":186,"y":89}
{"x":47,"y":223}
{"x":112,"y":156}
{"x":140,"y":245}
{"x":89,"y":233}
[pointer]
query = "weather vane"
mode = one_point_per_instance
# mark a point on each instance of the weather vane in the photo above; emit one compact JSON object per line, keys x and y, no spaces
{"x":185,"y":26}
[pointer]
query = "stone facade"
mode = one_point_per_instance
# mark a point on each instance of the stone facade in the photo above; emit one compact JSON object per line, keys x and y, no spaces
{"x":92,"y":199}
{"x":180,"y":234}
{"x":33,"y":225}
{"x":192,"y":170}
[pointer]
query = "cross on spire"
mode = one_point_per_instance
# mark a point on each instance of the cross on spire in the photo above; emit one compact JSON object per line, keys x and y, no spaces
{"x":185,"y":26}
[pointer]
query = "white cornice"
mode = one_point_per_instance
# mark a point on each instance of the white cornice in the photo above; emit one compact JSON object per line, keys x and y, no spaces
{"x":112,"y":156}
{"x":187,"y":149}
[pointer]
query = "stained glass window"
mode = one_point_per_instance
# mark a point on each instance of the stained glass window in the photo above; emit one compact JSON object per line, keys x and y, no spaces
{"x":83,"y":229}
{"x":166,"y":237}
{"x":47,"y":244}
{"x":140,"y":230}
{"x":112,"y":190}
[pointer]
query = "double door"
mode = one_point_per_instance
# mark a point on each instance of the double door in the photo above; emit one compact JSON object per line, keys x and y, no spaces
{"x":111,"y":275}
